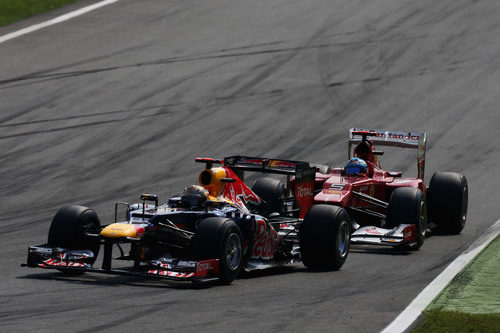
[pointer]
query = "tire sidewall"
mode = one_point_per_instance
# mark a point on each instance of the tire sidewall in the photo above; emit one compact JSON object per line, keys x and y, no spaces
{"x":210,"y":242}
{"x":407,"y":206}
{"x":448,"y":201}
{"x":69,"y":226}
{"x":319,"y":237}
{"x":271,"y":191}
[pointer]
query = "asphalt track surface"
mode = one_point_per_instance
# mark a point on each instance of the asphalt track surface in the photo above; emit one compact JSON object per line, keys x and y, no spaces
{"x":120,"y":101}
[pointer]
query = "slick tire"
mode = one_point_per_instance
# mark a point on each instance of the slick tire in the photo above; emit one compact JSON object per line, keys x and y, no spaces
{"x":271,"y":191}
{"x":69,"y":227}
{"x":407,"y":206}
{"x":220,"y":238}
{"x":324,"y":237}
{"x":448,"y":199}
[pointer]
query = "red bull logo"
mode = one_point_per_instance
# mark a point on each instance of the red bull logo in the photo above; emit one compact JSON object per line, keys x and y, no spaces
{"x":265,"y":241}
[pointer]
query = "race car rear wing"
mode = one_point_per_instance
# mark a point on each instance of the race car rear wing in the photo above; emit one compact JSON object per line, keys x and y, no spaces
{"x":267,"y":165}
{"x":394,"y":139}
{"x":304,"y":174}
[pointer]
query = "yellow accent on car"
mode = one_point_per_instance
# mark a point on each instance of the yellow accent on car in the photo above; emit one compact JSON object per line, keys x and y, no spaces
{"x":210,"y":179}
{"x":117,"y":230}
{"x":219,"y":199}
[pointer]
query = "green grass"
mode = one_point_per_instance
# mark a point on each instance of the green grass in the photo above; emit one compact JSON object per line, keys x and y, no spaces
{"x":15,"y":10}
{"x":450,"y":321}
{"x":476,"y":289}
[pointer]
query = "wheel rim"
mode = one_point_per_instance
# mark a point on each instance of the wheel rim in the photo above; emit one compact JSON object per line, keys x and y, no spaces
{"x":233,"y":252}
{"x":343,"y":239}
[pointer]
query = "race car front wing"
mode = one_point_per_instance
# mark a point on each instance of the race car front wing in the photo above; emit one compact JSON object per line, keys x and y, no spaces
{"x":47,"y":257}
{"x":404,"y":234}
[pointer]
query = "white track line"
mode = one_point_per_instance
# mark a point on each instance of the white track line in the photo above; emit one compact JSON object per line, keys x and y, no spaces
{"x":56,"y":20}
{"x":412,"y":311}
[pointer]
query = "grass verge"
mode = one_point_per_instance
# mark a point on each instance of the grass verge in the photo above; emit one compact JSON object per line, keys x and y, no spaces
{"x":450,"y":321}
{"x":14,"y":10}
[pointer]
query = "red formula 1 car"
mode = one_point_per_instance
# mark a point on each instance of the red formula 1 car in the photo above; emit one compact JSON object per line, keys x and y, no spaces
{"x":385,"y":208}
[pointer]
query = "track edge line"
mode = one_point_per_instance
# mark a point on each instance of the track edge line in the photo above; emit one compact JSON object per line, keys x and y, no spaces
{"x":408,"y":316}
{"x":55,"y":20}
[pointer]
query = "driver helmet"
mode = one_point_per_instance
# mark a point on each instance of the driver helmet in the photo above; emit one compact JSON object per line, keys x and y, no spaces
{"x":194,"y":196}
{"x":355,"y":166}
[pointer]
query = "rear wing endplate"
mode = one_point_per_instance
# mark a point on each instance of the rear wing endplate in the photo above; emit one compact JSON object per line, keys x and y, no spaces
{"x":394,"y":139}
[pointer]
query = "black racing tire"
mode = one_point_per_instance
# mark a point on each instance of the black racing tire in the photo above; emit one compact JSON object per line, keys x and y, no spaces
{"x":220,"y":238}
{"x":407,"y":206}
{"x":271,"y":191}
{"x":321,"y":168}
{"x":448,"y":199}
{"x":68,"y":230}
{"x":325,"y":237}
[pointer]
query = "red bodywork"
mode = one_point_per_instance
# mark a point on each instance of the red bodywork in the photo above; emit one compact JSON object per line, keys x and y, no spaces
{"x":337,"y":189}
{"x":238,"y":191}
{"x":342,"y":190}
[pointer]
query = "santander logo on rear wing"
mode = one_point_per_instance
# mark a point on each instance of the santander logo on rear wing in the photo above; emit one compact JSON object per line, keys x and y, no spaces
{"x":392,"y":138}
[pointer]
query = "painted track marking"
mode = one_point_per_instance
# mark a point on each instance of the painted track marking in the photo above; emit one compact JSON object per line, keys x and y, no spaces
{"x":56,"y":20}
{"x":412,"y":311}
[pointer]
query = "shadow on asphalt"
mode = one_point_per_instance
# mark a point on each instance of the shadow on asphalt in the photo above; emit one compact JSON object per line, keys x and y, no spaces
{"x":113,"y":280}
{"x":279,"y":270}
{"x":378,"y":250}
{"x":99,"y":279}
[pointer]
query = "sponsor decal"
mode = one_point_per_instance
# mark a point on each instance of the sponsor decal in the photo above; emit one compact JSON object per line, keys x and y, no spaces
{"x":373,"y":231}
{"x":43,"y":250}
{"x":252,"y":161}
{"x":163,"y":265}
{"x":265,"y":241}
{"x":303,"y":191}
{"x":332,"y":192}
{"x":204,"y":267}
{"x":311,"y":172}
{"x":139,"y":231}
{"x":230,"y":160}
{"x":278,"y":163}
{"x":238,"y":192}
{"x":170,"y":273}
{"x":402,"y":136}
{"x":410,"y":234}
{"x":59,"y":263}
{"x":337,"y":187}
{"x":394,"y":135}
{"x":286,"y":226}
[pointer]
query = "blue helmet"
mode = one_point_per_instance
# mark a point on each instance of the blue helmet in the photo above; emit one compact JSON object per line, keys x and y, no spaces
{"x":355,"y":166}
